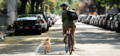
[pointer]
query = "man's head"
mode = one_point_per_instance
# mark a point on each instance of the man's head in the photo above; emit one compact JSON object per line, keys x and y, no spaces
{"x":64,"y":6}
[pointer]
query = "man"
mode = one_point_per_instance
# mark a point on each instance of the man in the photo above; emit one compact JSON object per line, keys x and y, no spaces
{"x":67,"y":23}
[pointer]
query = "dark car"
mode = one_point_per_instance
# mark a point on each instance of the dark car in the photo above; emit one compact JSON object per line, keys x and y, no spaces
{"x":27,"y":24}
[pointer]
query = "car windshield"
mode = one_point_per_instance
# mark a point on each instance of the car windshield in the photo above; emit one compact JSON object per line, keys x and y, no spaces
{"x":27,"y":18}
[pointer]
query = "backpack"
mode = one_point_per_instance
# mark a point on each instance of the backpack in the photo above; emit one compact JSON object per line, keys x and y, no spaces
{"x":72,"y":15}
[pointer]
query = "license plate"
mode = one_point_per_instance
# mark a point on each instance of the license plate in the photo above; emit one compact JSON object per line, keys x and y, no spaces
{"x":27,"y":28}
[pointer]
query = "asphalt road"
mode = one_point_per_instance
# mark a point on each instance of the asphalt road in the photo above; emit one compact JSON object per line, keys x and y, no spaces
{"x":90,"y":41}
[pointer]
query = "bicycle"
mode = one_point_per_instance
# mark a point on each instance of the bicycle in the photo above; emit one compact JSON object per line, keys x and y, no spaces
{"x":69,"y":42}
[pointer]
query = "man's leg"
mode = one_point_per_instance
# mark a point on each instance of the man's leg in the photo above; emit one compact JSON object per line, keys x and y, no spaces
{"x":64,"y":33}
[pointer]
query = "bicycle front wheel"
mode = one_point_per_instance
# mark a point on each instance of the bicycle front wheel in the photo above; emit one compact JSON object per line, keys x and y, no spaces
{"x":70,"y":44}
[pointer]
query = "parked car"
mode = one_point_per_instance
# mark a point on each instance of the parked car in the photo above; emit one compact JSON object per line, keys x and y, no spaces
{"x":49,"y":20}
{"x":27,"y":24}
{"x":117,"y":22}
{"x":54,"y":18}
{"x":109,"y":21}
{"x":44,"y":22}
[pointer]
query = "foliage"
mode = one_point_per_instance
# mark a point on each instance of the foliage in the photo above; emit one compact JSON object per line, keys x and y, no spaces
{"x":49,"y":6}
{"x":109,"y":2}
{"x":2,"y":7}
{"x":33,"y":6}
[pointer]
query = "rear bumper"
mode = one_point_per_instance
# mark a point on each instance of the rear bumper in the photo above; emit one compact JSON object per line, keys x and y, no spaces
{"x":24,"y":30}
{"x":28,"y":28}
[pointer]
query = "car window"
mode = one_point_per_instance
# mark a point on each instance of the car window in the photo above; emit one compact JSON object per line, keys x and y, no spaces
{"x":27,"y":18}
{"x":39,"y":17}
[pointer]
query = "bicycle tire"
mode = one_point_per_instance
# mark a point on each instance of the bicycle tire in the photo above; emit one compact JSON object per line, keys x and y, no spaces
{"x":70,"y":44}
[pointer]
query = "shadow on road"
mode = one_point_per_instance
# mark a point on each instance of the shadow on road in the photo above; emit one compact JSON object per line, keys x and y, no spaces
{"x":17,"y":49}
{"x":56,"y":50}
{"x":91,"y":37}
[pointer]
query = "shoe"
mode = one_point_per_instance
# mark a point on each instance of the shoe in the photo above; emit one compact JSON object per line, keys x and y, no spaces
{"x":73,"y":49}
{"x":64,"y":41}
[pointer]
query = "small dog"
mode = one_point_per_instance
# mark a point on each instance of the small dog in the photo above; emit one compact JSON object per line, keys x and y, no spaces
{"x":46,"y":45}
{"x":2,"y":36}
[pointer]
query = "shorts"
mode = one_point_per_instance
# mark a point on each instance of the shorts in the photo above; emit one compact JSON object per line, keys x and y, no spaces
{"x":65,"y":28}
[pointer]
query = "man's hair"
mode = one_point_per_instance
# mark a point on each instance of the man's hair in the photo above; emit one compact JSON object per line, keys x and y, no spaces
{"x":64,"y":4}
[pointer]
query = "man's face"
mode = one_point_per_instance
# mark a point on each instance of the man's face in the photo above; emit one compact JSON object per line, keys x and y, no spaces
{"x":63,"y":7}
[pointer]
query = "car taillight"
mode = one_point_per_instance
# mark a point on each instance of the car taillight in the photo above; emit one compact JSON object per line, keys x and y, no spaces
{"x":41,"y":21}
{"x":37,"y":22}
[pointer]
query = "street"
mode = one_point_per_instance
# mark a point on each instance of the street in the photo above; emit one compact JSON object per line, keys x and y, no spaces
{"x":90,"y":41}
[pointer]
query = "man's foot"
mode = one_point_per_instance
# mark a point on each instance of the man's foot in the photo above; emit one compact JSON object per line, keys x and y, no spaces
{"x":73,"y":49}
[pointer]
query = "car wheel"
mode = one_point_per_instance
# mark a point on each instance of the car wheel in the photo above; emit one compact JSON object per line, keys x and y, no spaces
{"x":47,"y":29}
{"x":117,"y":29}
{"x":112,"y":26}
{"x":16,"y":32}
{"x":39,"y":32}
{"x":43,"y":30}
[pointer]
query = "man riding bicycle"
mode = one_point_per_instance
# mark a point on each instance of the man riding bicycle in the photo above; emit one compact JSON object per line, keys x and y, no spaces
{"x":67,"y":23}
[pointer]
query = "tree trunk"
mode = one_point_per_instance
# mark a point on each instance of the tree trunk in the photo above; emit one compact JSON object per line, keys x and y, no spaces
{"x":32,"y":6}
{"x":41,"y":9}
{"x":37,"y":5}
{"x":23,"y":6}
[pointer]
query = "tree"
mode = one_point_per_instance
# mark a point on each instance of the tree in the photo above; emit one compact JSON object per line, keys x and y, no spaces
{"x":35,"y":4}
{"x":109,"y":2}
{"x":70,"y":1}
{"x":32,"y":4}
{"x":22,"y":6}
{"x":3,"y":8}
{"x":49,"y":6}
